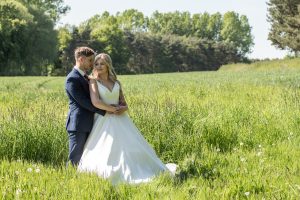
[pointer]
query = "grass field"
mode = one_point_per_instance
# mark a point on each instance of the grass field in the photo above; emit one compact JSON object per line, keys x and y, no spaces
{"x":234,"y":133}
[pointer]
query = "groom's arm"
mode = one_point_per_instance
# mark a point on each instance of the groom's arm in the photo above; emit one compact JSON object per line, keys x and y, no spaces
{"x":75,"y":90}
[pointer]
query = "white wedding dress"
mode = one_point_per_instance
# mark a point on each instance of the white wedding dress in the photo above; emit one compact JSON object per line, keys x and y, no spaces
{"x":116,"y":150}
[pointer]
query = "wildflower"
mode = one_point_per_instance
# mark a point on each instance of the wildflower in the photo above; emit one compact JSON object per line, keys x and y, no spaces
{"x":241,"y":143}
{"x":29,"y":170}
{"x":259,"y":153}
{"x":259,"y":146}
{"x":247,"y":193}
{"x":18,"y":191}
{"x":37,"y":170}
{"x":243,"y":159}
{"x":218,"y":150}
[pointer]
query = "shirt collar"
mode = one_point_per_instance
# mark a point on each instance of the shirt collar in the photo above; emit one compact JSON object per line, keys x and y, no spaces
{"x":79,"y":70}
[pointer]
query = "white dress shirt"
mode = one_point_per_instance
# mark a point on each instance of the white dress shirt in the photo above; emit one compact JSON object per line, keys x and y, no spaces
{"x":79,"y":70}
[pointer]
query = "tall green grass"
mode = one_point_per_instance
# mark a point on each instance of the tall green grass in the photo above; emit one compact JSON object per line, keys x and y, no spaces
{"x":234,"y":135}
{"x":288,"y":64}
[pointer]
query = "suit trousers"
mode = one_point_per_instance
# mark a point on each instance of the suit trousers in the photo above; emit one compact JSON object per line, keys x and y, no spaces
{"x":76,"y":144}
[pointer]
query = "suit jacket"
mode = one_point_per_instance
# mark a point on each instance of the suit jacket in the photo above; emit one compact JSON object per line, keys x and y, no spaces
{"x":81,"y":110}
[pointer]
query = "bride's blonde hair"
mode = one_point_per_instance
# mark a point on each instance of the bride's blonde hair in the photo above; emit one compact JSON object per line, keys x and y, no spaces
{"x":108,"y":62}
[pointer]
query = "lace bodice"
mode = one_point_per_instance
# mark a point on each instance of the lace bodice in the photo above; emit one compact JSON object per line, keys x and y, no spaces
{"x":107,"y":96}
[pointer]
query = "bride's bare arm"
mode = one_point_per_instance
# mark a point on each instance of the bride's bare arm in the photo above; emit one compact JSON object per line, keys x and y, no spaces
{"x":95,"y":98}
{"x":122,"y":102}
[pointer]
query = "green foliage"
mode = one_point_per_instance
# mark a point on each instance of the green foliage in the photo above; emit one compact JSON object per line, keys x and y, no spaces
{"x":14,"y":15}
{"x":64,"y":37}
{"x":207,"y":26}
{"x":230,"y":28}
{"x":15,"y":21}
{"x":52,"y":8}
{"x":236,"y":30}
{"x":132,"y":20}
{"x":173,"y":41}
{"x":108,"y":33}
{"x":284,"y":16}
{"x":41,"y":44}
{"x":171,"y":23}
{"x":153,"y":53}
{"x":165,"y":42}
{"x":29,"y":39}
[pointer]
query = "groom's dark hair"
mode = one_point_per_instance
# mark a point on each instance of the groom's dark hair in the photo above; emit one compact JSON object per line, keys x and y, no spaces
{"x":83,"y":51}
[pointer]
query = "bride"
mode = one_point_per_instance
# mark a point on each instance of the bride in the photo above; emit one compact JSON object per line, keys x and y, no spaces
{"x":115,"y":149}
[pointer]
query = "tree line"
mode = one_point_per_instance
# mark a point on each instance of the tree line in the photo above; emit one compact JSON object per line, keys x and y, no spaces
{"x":164,"y":42}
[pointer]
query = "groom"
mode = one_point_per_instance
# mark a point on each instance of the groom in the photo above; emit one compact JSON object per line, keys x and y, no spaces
{"x":81,"y":111}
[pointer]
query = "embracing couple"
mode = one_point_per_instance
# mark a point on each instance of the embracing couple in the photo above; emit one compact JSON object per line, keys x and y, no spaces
{"x":102,"y":137}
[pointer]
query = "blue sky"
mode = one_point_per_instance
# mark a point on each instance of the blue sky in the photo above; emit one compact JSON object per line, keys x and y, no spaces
{"x":255,"y":10}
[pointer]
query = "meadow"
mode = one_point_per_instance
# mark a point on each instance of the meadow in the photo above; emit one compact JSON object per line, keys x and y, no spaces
{"x":235,"y":134}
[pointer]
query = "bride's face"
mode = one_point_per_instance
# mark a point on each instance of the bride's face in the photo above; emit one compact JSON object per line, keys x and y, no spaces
{"x":100,"y":67}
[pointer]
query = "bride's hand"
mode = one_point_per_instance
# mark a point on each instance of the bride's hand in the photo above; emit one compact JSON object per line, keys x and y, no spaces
{"x":121,"y":110}
{"x":114,"y":110}
{"x":91,"y":77}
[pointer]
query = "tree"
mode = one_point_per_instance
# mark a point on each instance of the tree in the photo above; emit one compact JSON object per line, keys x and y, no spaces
{"x":200,"y":25}
{"x":41,"y":44}
{"x":28,"y":39}
{"x":284,"y":16}
{"x":132,"y":20}
{"x":237,"y":31}
{"x":207,"y":26}
{"x":105,"y":29}
{"x":15,"y":21}
{"x":64,"y":37}
{"x":171,"y":23}
{"x":214,"y":27}
{"x":52,"y":8}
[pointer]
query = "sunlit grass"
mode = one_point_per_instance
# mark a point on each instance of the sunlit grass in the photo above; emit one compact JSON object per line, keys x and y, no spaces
{"x":280,"y":65}
{"x":233,"y":134}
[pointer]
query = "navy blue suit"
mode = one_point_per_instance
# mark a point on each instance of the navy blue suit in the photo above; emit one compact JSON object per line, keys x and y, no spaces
{"x":81,"y":114}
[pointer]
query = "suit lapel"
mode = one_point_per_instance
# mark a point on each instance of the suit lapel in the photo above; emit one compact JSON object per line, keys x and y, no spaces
{"x":83,"y":81}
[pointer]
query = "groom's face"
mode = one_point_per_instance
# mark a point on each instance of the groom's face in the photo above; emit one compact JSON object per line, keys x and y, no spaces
{"x":88,"y":63}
